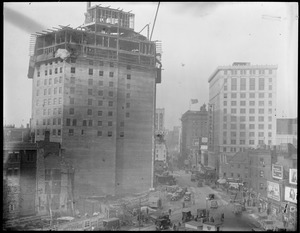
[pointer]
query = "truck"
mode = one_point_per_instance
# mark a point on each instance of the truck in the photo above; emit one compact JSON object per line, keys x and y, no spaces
{"x":111,"y":224}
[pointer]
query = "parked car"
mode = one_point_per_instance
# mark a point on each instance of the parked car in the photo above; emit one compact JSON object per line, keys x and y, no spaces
{"x":187,"y":196}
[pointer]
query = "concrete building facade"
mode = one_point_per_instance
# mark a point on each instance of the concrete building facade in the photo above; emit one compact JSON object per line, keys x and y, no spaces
{"x":94,"y":89}
{"x":194,"y":127}
{"x":242,"y":107}
{"x":287,"y":131}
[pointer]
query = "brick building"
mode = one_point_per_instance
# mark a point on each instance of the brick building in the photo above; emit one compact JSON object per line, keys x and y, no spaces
{"x":94,"y":89}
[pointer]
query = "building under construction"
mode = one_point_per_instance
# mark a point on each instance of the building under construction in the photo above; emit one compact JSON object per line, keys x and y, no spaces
{"x":94,"y":88}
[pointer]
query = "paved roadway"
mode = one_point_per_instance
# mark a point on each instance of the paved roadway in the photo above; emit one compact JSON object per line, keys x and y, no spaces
{"x":231,"y":221}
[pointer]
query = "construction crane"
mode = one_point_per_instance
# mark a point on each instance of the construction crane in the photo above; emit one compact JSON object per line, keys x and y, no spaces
{"x":154,"y":20}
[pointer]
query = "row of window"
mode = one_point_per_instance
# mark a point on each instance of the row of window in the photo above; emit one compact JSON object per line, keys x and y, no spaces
{"x":55,"y":111}
{"x":50,"y":71}
{"x":48,"y":121}
{"x":98,"y":63}
{"x":243,"y":85}
{"x":251,"y":142}
{"x":243,"y":95}
{"x":243,"y":126}
{"x":242,"y":142}
{"x":73,"y":122}
{"x":55,"y":132}
{"x":243,"y":111}
{"x":243,"y":118}
{"x":56,"y":80}
{"x":56,"y":90}
{"x":243,"y":134}
{"x":251,"y":103}
{"x":250,"y":71}
{"x":49,"y":101}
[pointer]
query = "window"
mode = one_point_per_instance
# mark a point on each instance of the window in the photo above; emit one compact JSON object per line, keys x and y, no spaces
{"x":60,"y":69}
{"x":238,"y":175}
{"x":242,"y":134}
{"x":99,"y":123}
{"x":128,"y":67}
{"x":91,"y":62}
{"x":251,"y":126}
{"x":251,"y":118}
{"x":109,"y":133}
{"x":54,"y":121}
{"x":110,"y":103}
{"x":233,"y":126}
{"x":37,"y":92}
{"x":231,"y":174}
{"x":110,"y":113}
{"x":225,"y":103}
{"x":261,"y":84}
{"x":121,"y":134}
{"x":74,"y":122}
{"x":38,"y":73}
{"x":242,"y":126}
{"x":261,"y":95}
{"x":224,"y":118}
{"x":260,"y":118}
{"x":260,"y":126}
{"x":99,"y":133}
{"x":127,"y":105}
{"x":261,"y":103}
{"x":54,"y":111}
{"x":71,"y":132}
{"x":233,"y":95}
{"x":90,"y":82}
{"x":224,"y":141}
{"x":99,"y":113}
{"x":243,"y":103}
{"x":72,"y":80}
{"x":242,"y":95}
{"x":252,"y":110}
{"x":127,"y":114}
{"x":90,"y":102}
{"x":90,"y":71}
{"x":49,"y":111}
{"x":270,"y":95}
{"x":111,"y":84}
{"x":100,"y":102}
{"x":111,"y":93}
{"x":60,"y":90}
{"x":60,"y":79}
{"x":233,"y":134}
{"x":260,"y":134}
{"x":233,"y":118}
{"x":261,"y":111}
{"x":49,"y":91}
{"x":100,"y":93}
{"x":261,"y":185}
{"x":109,"y":123}
{"x":128,"y":95}
{"x":90,"y":91}
{"x":233,"y":84}
{"x":90,"y":122}
{"x":242,"y":142}
{"x":68,"y":122}
{"x":71,"y":111}
{"x":243,"y":110}
{"x":58,"y":132}
{"x":269,"y":118}
{"x":101,"y":63}
{"x":251,"y":103}
{"x":59,"y":121}
{"x":44,"y":111}
{"x":252,"y":84}
{"x":270,"y":103}
{"x":46,"y":72}
{"x":111,"y":64}
{"x":59,"y":100}
{"x":251,"y":142}
{"x":73,"y":70}
{"x":243,"y":84}
{"x":269,"y":111}
{"x":111,"y":74}
{"x":55,"y":90}
{"x":101,"y":73}
{"x":225,"y":110}
{"x":45,"y":82}
{"x":128,"y":76}
{"x":251,"y":134}
{"x":44,"y":121}
{"x":71,"y":100}
{"x":89,"y":112}
{"x":84,"y":123}
{"x":72,"y":90}
{"x":224,"y":126}
{"x":59,"y":110}
{"x":45,"y":91}
{"x":100,"y":83}
{"x":233,"y":103}
{"x":233,"y":110}
{"x":48,"y":121}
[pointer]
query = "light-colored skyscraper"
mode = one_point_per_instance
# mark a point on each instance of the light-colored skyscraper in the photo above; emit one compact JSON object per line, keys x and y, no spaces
{"x":242,"y":107}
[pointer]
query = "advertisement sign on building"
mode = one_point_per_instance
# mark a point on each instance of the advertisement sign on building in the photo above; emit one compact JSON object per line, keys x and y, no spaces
{"x":204,"y":140}
{"x":273,"y":191}
{"x":290,"y":194}
{"x":293,"y":176}
{"x":277,"y":171}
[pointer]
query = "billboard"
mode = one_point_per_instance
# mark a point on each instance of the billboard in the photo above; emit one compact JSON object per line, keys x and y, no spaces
{"x":293,"y":176}
{"x":290,"y":194}
{"x":273,"y":191}
{"x":277,"y":171}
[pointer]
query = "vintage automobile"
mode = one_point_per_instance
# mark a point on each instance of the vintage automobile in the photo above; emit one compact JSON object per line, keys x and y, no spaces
{"x":188,"y":196}
{"x":187,"y":216}
{"x":163,"y":223}
{"x":237,"y":209}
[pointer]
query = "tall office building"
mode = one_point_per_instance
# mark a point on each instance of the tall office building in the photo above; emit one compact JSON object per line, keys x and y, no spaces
{"x":94,"y":89}
{"x":242,"y":107}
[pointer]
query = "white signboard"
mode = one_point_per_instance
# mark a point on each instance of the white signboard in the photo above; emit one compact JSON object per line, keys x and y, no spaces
{"x":204,"y":140}
{"x":293,"y":176}
{"x":273,"y":191}
{"x":277,"y":171}
{"x":203,"y":147}
{"x":290,"y":194}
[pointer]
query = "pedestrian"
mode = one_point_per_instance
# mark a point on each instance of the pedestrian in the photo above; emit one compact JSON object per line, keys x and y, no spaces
{"x":170,"y":212}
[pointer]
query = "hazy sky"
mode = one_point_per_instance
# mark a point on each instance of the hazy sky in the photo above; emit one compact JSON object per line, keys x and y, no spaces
{"x":200,"y":35}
